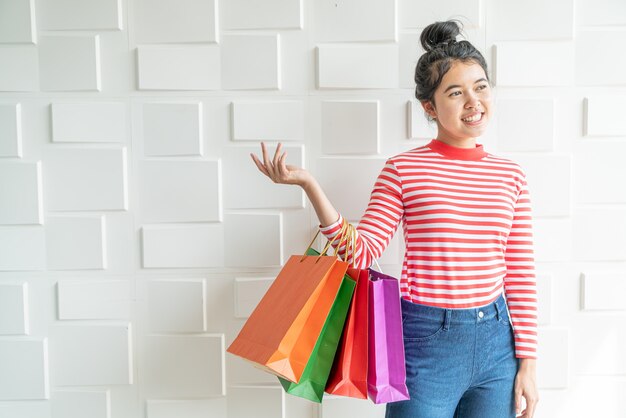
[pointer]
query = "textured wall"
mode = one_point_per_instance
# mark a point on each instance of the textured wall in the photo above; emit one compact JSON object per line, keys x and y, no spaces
{"x":136,"y":235}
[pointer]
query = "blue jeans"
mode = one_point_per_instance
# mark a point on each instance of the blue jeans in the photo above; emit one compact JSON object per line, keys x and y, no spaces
{"x":460,"y":363}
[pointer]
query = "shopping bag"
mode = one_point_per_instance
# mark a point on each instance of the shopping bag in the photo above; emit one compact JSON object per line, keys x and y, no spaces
{"x":348,"y":376}
{"x":313,"y":380}
{"x":386,"y":377}
{"x":281,"y":332}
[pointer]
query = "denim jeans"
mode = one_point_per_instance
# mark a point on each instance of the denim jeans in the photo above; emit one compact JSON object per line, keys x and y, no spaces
{"x":460,"y":363}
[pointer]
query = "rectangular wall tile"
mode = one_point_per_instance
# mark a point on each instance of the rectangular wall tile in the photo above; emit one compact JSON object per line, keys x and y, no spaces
{"x":177,"y":306}
{"x":243,"y":251}
{"x":88,"y":355}
{"x":512,"y":21}
{"x":263,"y":50}
{"x":602,"y":116}
{"x":419,"y":14}
{"x":336,"y":23}
{"x":182,"y":246}
{"x":265,"y":120}
{"x":350,"y":127}
{"x":94,"y":299}
{"x":180,"y":191}
{"x":603,"y":291}
{"x":544,"y":299}
{"x":591,"y":54}
{"x":258,"y":191}
{"x":184,"y":366}
{"x":11,"y":130}
{"x":79,"y":404}
{"x":534,"y":63}
{"x":355,"y":66}
{"x":24,"y":365}
{"x":339,"y":406}
{"x":175,"y":21}
{"x":418,"y":126}
{"x":596,"y":169}
{"x":514,"y":131}
{"x":22,"y":248}
{"x":81,"y":15}
{"x":198,"y":67}
{"x":258,"y":401}
{"x":553,"y":358}
{"x":172,"y":129}
{"x":553,"y":239}
{"x":203,"y":408}
{"x":89,"y":122}
{"x":248,"y":293}
{"x":70,"y":63}
{"x":14,"y":309}
{"x":270,"y":14}
{"x":600,"y":12}
{"x":600,"y":234}
{"x":17,"y":22}
{"x":86,"y":179}
{"x":20,"y":68}
{"x":76,"y":243}
{"x":21,"y":186}
{"x":598,"y":344}
{"x":25,"y":409}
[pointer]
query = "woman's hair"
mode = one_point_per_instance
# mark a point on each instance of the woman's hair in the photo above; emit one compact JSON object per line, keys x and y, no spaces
{"x":439,"y":41}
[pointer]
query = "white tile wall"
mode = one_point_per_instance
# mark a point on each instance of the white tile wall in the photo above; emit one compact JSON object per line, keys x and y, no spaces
{"x":14,"y":309}
{"x":172,"y":129}
{"x":596,"y":168}
{"x":214,"y":407}
{"x":24,"y":365}
{"x":514,"y":131}
{"x":25,"y":409}
{"x":509,"y":21}
{"x":602,"y":116}
{"x":338,"y":406}
{"x":335,"y":22}
{"x":94,"y":299}
{"x":262,"y":49}
{"x":241,"y":250}
{"x":21,"y":186}
{"x":600,"y":13}
{"x":269,"y":121}
{"x":80,"y":15}
{"x":417,"y":124}
{"x":534,"y":63}
{"x":177,"y":306}
{"x":70,"y":63}
{"x":22,"y":248}
{"x":350,"y":127}
{"x":271,"y":14}
{"x":553,"y":239}
{"x":600,"y":234}
{"x":598,"y":343}
{"x":421,"y":13}
{"x":20,"y":68}
{"x":77,"y":404}
{"x":258,"y":401}
{"x":89,"y":122}
{"x":590,"y":57}
{"x":553,"y":358}
{"x":603,"y":291}
{"x":76,"y":243}
{"x":17,"y":22}
{"x":11,"y":130}
{"x":248,"y":293}
{"x":544,"y":299}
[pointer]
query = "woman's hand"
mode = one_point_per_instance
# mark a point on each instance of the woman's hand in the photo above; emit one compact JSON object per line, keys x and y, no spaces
{"x":526,"y":387}
{"x":278,"y":171}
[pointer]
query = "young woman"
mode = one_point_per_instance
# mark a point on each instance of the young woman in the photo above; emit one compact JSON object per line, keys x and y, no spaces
{"x":468,"y":281}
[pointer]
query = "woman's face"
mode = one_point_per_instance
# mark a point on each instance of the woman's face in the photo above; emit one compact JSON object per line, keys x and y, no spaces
{"x":463,"y":93}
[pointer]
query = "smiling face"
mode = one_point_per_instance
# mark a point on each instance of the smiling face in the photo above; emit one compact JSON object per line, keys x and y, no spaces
{"x":462,"y":104}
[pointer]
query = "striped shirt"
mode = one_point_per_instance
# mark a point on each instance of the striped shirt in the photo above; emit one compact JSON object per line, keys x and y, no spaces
{"x":466,"y":218}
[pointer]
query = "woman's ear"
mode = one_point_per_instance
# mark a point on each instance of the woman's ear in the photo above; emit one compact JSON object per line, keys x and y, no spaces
{"x":429,"y":108}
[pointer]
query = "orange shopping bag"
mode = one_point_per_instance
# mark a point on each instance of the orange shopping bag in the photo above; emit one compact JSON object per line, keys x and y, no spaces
{"x":280,"y":334}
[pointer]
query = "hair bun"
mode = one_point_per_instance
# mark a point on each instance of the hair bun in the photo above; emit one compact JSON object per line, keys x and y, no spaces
{"x":439,"y":34}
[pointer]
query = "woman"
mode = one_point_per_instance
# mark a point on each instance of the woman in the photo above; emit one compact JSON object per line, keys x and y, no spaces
{"x":468,"y":270}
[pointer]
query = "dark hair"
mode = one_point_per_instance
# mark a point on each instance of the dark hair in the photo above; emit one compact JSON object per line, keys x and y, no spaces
{"x":439,"y":41}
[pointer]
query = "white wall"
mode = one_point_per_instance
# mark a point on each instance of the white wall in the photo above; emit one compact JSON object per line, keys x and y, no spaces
{"x":136,"y":235}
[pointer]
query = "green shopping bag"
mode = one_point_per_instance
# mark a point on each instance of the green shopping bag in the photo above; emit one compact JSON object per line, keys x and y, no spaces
{"x":313,"y":380}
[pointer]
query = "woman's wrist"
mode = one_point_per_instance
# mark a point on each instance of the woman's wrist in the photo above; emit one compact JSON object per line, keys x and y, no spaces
{"x":528,"y":364}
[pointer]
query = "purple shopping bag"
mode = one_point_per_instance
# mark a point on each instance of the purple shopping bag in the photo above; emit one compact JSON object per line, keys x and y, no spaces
{"x":386,"y":376}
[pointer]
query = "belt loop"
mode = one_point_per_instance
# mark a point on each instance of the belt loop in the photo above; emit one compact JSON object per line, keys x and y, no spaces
{"x":498,"y":309}
{"x":446,"y":323}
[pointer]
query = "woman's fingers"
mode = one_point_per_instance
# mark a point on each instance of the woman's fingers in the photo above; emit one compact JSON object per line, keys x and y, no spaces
{"x":259,"y":165}
{"x":277,"y":155}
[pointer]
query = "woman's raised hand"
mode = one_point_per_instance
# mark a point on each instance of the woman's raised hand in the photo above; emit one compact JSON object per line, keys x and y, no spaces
{"x":277,"y":170}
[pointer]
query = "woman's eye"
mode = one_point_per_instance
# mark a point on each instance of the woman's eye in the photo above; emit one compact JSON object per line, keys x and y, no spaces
{"x":455,"y":93}
{"x":482,"y":86}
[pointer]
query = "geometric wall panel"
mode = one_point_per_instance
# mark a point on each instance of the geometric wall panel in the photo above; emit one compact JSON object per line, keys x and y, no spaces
{"x":511,"y":21}
{"x":76,"y":243}
{"x":24,"y":365}
{"x":350,"y":127}
{"x":20,"y":68}
{"x":197,"y":67}
{"x":544,"y":299}
{"x":10,"y":130}
{"x":86,"y":179}
{"x":241,"y":232}
{"x":13,"y":309}
{"x":25,"y":409}
{"x":81,"y":404}
{"x":419,"y":14}
{"x":203,"y":408}
{"x":248,"y":293}
{"x":600,"y":234}
{"x":418,"y":126}
{"x":177,"y":306}
{"x":80,"y":14}
{"x":553,"y":358}
{"x":263,"y":50}
{"x":534,"y":63}
{"x":598,"y":344}
{"x":602,"y":116}
{"x":590,"y":57}
{"x":20,"y":193}
{"x":516,"y":134}
{"x":600,"y":12}
{"x":175,"y":21}
{"x":357,"y":66}
{"x":184,"y":366}
{"x":94,"y":299}
{"x":87,"y":355}
{"x":180,"y":191}
{"x":603,"y":291}
{"x":279,"y":120}
{"x":69,"y":63}
{"x":22,"y":248}
{"x":552,"y":239}
{"x":89,"y":122}
{"x":376,"y":22}
{"x":183,"y":246}
{"x":17,"y":22}
{"x":172,"y":129}
{"x":256,"y":401}
{"x":269,"y":14}
{"x":258,"y":191}
{"x":597,"y":167}
{"x":338,"y":406}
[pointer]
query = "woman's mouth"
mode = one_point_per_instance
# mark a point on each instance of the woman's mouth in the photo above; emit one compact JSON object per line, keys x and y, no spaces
{"x":474,"y":119}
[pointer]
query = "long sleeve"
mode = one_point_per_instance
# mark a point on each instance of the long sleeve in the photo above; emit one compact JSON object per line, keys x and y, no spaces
{"x":520,"y":283}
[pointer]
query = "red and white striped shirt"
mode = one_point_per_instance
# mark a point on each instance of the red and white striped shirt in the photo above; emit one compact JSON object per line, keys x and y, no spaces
{"x":467,"y":225}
